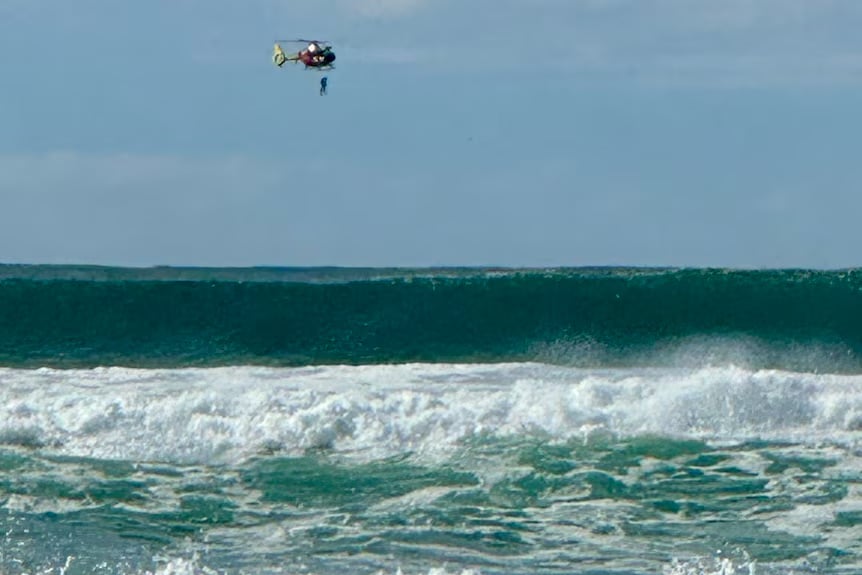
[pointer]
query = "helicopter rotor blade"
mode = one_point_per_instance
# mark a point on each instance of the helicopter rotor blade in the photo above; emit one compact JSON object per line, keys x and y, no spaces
{"x":305,"y":41}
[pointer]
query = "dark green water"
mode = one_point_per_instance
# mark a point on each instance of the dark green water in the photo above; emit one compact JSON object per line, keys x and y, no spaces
{"x":70,"y":316}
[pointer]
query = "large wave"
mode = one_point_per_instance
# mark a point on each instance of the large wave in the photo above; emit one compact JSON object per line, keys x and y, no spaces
{"x":162,"y":317}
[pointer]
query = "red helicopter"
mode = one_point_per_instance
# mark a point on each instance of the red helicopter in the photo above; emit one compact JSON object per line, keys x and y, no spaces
{"x":316,"y":55}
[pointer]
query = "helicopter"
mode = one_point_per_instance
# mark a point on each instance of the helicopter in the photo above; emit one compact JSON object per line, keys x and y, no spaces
{"x":317,"y":55}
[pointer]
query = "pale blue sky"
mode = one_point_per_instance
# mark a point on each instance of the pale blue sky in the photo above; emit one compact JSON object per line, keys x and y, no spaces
{"x":456,"y":132}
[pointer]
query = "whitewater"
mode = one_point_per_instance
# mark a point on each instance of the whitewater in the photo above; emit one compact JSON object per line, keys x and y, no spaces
{"x":226,"y":415}
{"x":431,"y":468}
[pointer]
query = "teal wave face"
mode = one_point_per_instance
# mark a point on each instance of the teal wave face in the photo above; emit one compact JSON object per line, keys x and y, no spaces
{"x":593,"y":317}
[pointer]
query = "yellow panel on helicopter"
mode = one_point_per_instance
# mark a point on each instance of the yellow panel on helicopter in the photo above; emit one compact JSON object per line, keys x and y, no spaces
{"x":278,"y":56}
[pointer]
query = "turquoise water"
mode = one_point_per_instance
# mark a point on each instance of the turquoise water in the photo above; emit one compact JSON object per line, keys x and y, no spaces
{"x":430,"y":421}
{"x":165,"y":317}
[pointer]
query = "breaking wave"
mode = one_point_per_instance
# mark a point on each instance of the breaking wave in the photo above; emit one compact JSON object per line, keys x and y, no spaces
{"x":163,"y":317}
{"x":227,"y":414}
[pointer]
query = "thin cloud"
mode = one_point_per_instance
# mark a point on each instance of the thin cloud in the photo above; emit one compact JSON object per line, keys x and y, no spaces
{"x":120,"y":172}
{"x":731,"y":42}
{"x":131,"y":209}
{"x":382,"y":8}
{"x":677,"y":42}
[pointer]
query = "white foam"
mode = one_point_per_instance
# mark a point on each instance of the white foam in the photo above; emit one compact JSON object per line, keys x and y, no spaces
{"x":226,"y":414}
{"x":710,"y":566}
{"x":182,"y":566}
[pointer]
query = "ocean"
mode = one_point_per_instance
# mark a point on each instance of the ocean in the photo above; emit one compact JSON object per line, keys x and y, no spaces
{"x":443,"y":421}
